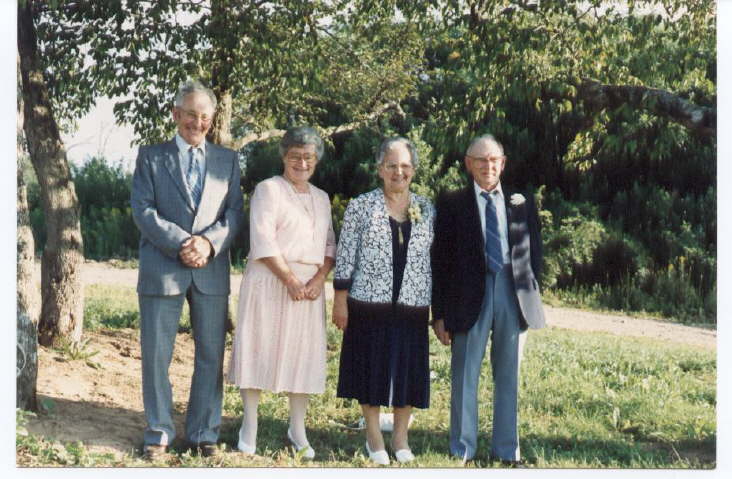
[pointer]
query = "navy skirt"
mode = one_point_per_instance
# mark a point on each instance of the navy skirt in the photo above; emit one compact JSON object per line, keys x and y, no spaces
{"x":385,"y":355}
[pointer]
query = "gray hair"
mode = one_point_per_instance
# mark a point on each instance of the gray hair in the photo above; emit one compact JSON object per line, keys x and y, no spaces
{"x":193,"y":86}
{"x":301,"y":135}
{"x":388,"y":144}
{"x":487,"y":138}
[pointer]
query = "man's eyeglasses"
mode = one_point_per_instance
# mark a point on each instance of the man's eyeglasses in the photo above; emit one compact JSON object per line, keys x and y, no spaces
{"x":192,"y":116}
{"x":485,"y":160}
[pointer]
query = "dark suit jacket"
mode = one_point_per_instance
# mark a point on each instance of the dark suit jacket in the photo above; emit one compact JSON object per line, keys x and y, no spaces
{"x":163,"y":209}
{"x":459,"y":264}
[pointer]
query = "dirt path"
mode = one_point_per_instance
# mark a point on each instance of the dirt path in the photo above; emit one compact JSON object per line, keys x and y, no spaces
{"x":102,"y":407}
{"x":566,"y":318}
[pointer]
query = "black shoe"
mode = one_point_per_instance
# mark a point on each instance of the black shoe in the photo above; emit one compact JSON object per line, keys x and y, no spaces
{"x":520,"y":464}
{"x":154,"y":452}
{"x":511,"y":463}
{"x":206,"y":449}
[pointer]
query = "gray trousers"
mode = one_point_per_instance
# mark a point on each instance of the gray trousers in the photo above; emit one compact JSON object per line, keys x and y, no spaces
{"x":159,"y":317}
{"x":499,"y":318}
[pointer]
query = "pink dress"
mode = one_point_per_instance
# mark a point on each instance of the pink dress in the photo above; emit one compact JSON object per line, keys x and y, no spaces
{"x":280,"y":344}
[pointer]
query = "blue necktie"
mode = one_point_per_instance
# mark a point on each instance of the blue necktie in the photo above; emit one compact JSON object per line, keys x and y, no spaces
{"x":194,"y":175}
{"x":494,"y":255}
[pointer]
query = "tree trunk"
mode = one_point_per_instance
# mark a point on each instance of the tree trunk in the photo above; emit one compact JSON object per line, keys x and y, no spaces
{"x":28,"y":297}
{"x":221,"y":70}
{"x":27,"y":314}
{"x":61,"y":289}
{"x":221,"y":129}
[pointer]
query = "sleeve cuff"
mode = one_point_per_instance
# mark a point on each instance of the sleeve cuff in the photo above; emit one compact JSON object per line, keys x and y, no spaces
{"x":342,"y":284}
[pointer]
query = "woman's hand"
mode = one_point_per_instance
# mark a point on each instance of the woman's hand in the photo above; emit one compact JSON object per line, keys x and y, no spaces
{"x":314,"y":287}
{"x":340,"y":309}
{"x":295,"y":288}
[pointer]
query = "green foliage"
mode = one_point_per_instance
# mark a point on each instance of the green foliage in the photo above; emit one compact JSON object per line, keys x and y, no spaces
{"x":593,"y":263}
{"x":631,"y":192}
{"x":110,"y":307}
{"x":78,"y":351}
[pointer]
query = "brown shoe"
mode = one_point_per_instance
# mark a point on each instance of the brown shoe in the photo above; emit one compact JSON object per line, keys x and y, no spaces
{"x":206,"y":449}
{"x":154,"y":452}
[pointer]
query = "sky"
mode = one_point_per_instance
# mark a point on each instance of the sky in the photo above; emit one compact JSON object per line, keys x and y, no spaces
{"x":98,"y":134}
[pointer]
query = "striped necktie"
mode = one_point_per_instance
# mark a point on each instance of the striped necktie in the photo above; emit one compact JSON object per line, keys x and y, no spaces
{"x":194,"y":175}
{"x":493,"y":253}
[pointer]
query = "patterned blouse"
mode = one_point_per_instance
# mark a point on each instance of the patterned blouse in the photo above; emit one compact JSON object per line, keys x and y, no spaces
{"x":364,"y":256}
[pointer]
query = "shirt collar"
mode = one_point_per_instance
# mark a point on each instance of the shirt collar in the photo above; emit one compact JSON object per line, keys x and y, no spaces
{"x":183,"y":146}
{"x":478,"y":190}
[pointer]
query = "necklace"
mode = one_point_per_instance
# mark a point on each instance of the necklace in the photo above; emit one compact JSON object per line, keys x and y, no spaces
{"x":310,"y":212}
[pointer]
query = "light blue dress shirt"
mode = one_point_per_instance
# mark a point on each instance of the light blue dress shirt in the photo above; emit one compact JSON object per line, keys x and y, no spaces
{"x":500,"y":204}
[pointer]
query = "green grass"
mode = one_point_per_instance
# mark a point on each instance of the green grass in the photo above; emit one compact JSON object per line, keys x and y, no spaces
{"x":587,"y":400}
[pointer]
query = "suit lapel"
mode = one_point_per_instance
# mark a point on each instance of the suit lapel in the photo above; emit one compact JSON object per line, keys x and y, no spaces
{"x":172,"y":163}
{"x":473,"y":220}
{"x":509,"y":217}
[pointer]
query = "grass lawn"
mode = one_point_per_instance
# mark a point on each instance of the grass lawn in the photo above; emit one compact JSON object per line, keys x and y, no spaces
{"x":587,"y":400}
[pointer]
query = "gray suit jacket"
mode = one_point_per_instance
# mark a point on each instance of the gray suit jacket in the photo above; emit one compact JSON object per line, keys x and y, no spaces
{"x":163,"y":210}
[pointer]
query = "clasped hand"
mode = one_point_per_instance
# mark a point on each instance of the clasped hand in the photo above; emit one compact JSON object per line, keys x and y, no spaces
{"x":310,"y":290}
{"x":195,"y":252}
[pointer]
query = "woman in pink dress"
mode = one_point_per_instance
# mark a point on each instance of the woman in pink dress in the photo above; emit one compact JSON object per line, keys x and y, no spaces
{"x":280,"y":341}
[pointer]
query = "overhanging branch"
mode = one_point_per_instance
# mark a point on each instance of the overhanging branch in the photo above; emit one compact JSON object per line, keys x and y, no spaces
{"x":392,"y":107}
{"x":701,"y":119}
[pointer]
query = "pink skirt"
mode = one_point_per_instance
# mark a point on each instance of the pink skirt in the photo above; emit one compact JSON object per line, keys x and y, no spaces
{"x":279,"y":344}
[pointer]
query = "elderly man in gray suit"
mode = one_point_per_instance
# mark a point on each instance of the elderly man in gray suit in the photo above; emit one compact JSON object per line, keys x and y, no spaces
{"x":485,"y":267}
{"x":187,"y":203}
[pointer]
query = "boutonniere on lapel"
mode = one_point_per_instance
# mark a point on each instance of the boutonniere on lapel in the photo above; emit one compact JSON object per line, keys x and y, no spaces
{"x":517,"y":199}
{"x":414,"y":212}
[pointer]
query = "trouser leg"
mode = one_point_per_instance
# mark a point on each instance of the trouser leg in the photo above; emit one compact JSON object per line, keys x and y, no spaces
{"x":159,"y":317}
{"x":208,"y":321}
{"x":468,"y":350}
{"x":505,"y":359}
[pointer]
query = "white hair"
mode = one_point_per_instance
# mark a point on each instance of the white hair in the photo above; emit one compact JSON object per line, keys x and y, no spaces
{"x":193,"y":86}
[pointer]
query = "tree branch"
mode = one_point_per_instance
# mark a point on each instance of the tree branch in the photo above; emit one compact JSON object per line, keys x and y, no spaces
{"x":701,"y":119}
{"x":333,"y":131}
{"x":597,"y":96}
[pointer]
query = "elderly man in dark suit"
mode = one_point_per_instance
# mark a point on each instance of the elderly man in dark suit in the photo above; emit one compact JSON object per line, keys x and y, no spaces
{"x":187,"y":203}
{"x":486,"y":264}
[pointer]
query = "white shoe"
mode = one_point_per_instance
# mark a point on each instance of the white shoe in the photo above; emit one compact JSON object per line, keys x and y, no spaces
{"x":306,"y":451}
{"x":404,"y":456}
{"x":244,"y":447}
{"x":379,"y":457}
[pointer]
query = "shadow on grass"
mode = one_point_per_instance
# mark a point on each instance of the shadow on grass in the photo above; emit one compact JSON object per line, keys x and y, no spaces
{"x":99,"y":425}
{"x":623,"y":452}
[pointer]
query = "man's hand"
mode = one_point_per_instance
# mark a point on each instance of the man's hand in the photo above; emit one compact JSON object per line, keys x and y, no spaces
{"x":195,"y":252}
{"x":443,"y":335}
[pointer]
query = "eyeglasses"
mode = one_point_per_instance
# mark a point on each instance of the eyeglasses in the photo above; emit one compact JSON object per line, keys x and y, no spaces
{"x":295,"y":159}
{"x":394,"y":167}
{"x":193,"y":116}
{"x":485,"y":160}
